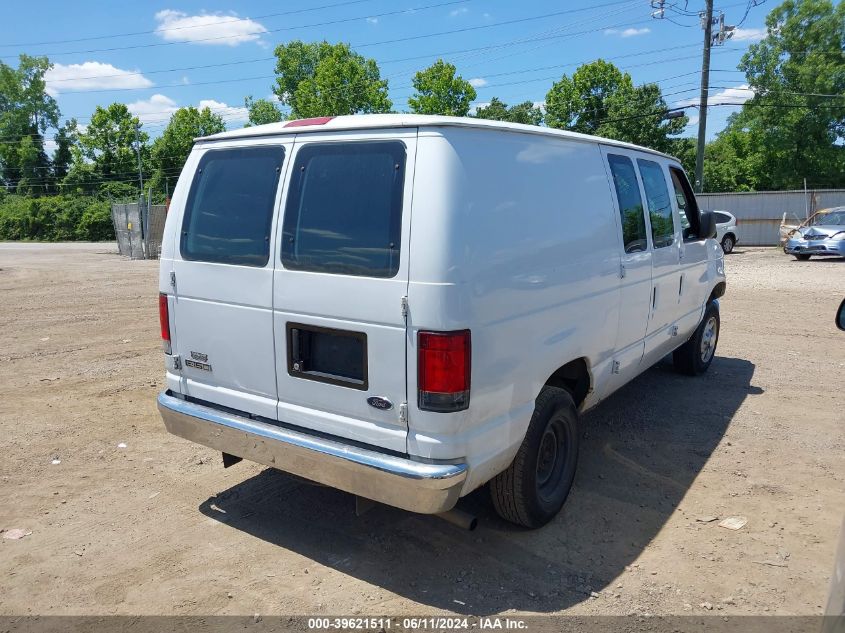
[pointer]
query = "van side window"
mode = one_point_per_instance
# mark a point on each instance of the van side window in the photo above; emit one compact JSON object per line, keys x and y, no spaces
{"x":630,"y":203}
{"x":687,"y":206}
{"x":229,"y":210}
{"x":344,"y":209}
{"x":659,"y":203}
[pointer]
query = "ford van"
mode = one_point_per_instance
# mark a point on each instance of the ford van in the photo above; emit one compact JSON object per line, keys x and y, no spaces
{"x":410,"y":307}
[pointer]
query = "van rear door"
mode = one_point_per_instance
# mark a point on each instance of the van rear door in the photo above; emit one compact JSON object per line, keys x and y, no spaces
{"x":340,"y":284}
{"x":223,"y":274}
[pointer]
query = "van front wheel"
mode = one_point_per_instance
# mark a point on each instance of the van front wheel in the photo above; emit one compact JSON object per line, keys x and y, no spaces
{"x":694,"y":356}
{"x":533,"y":488}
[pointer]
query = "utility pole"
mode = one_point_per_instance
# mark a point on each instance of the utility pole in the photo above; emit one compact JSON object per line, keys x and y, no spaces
{"x":138,"y":152}
{"x":705,"y":87}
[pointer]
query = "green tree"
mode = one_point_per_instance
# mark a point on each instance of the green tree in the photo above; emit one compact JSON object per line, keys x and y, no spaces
{"x":66,"y":138}
{"x":26,"y":112}
{"x":793,"y":129}
{"x":525,"y":112}
{"x":440,"y":91}
{"x":322,"y":79}
{"x":732,"y":159}
{"x":262,"y":111}
{"x":107,"y":149}
{"x":171,"y":149}
{"x":600,"y":99}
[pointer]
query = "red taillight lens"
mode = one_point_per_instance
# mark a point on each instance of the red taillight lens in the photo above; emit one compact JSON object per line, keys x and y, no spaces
{"x":443,"y":370}
{"x":164,"y":321}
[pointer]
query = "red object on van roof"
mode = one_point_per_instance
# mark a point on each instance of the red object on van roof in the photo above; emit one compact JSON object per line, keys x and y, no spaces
{"x":320,"y":120}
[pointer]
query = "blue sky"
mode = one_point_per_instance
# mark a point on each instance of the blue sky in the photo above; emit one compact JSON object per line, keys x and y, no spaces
{"x":145,"y":54}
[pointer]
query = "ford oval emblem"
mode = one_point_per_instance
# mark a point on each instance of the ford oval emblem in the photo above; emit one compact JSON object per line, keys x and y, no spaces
{"x":380,"y":403}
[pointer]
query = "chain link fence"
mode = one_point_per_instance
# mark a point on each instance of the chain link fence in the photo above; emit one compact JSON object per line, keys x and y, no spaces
{"x":139,"y":228}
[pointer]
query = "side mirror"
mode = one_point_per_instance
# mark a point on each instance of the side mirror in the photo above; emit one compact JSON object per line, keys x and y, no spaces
{"x":706,"y":225}
{"x":840,"y":316}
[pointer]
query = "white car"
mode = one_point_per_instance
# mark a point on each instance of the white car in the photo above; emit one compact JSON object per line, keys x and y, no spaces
{"x":726,"y":230}
{"x":409,"y":307}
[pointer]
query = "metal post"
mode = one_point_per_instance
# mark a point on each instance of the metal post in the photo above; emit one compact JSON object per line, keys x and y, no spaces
{"x":140,"y":188}
{"x":806,"y":201}
{"x":705,"y":87}
{"x":138,"y":152}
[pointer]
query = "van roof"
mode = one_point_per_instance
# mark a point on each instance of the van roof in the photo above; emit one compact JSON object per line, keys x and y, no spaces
{"x":382,"y":121}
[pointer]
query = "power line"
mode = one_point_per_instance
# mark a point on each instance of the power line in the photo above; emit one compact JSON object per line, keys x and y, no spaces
{"x":264,"y":32}
{"x":183,"y":28}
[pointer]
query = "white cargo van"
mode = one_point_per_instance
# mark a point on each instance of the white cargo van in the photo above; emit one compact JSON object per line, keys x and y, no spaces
{"x":408,"y":307}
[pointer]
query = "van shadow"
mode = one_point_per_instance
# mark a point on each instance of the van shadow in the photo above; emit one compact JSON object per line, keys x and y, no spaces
{"x":641,"y":451}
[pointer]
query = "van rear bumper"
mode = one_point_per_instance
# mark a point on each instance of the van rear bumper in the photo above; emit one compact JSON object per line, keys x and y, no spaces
{"x":427,"y":488}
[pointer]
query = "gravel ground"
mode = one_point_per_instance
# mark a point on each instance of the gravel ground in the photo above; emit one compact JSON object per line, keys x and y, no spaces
{"x":134,"y":521}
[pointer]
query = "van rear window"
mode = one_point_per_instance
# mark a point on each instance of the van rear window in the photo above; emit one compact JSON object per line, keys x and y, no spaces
{"x":230,"y":207}
{"x":344,"y":209}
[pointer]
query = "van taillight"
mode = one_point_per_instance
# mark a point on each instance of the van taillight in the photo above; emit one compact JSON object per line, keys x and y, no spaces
{"x":443,"y":370}
{"x":164,"y":321}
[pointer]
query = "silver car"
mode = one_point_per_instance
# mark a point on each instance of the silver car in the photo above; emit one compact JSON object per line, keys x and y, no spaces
{"x":824,"y":235}
{"x":726,"y":230}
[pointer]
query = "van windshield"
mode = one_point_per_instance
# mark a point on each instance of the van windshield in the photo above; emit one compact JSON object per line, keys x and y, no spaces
{"x":344,"y":209}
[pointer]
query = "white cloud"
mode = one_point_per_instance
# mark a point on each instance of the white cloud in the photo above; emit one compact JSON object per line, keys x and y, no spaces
{"x":737,"y":94}
{"x":50,"y":146}
{"x":748,"y":35}
{"x":207,"y":28}
{"x":229,"y":113}
{"x":372,"y":20}
{"x":475,"y":107}
{"x":157,"y":108}
{"x":693,"y":120}
{"x":630,"y":32}
{"x":92,"y":76}
{"x":460,"y":11}
{"x":478,"y":82}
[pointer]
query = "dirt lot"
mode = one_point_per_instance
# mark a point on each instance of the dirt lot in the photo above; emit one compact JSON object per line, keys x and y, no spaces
{"x":158,"y":527}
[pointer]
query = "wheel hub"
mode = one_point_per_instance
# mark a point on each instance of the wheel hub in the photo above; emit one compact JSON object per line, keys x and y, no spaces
{"x":708,"y":339}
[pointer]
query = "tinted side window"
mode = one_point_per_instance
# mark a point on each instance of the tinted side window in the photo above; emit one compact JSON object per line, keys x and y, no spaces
{"x":630,"y":203}
{"x":344,"y":209}
{"x":230,"y":206}
{"x":659,"y":203}
{"x":687,"y":206}
{"x":721,"y":218}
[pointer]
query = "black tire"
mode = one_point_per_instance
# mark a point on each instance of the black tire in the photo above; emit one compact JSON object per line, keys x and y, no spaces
{"x":533,"y":488}
{"x":694,"y":357}
{"x":728,"y":243}
{"x":802,"y":258}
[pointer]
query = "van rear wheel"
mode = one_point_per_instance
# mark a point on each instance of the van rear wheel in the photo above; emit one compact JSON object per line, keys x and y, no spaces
{"x":533,"y":488}
{"x":694,"y":356}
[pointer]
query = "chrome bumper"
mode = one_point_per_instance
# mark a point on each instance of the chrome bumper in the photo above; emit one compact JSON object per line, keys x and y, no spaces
{"x":428,"y":488}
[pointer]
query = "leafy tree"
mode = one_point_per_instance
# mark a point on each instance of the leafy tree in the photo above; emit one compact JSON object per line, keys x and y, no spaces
{"x":66,"y":138}
{"x":262,"y":111}
{"x":440,"y":91}
{"x":171,"y":149}
{"x":107,"y":148}
{"x":600,"y":99}
{"x":26,"y":112}
{"x":525,"y":112}
{"x":322,"y":79}
{"x":684,"y":150}
{"x":792,"y":128}
{"x":31,"y":161}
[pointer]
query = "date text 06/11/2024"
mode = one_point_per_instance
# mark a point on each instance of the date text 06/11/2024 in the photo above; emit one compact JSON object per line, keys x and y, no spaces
{"x":432,"y":623}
